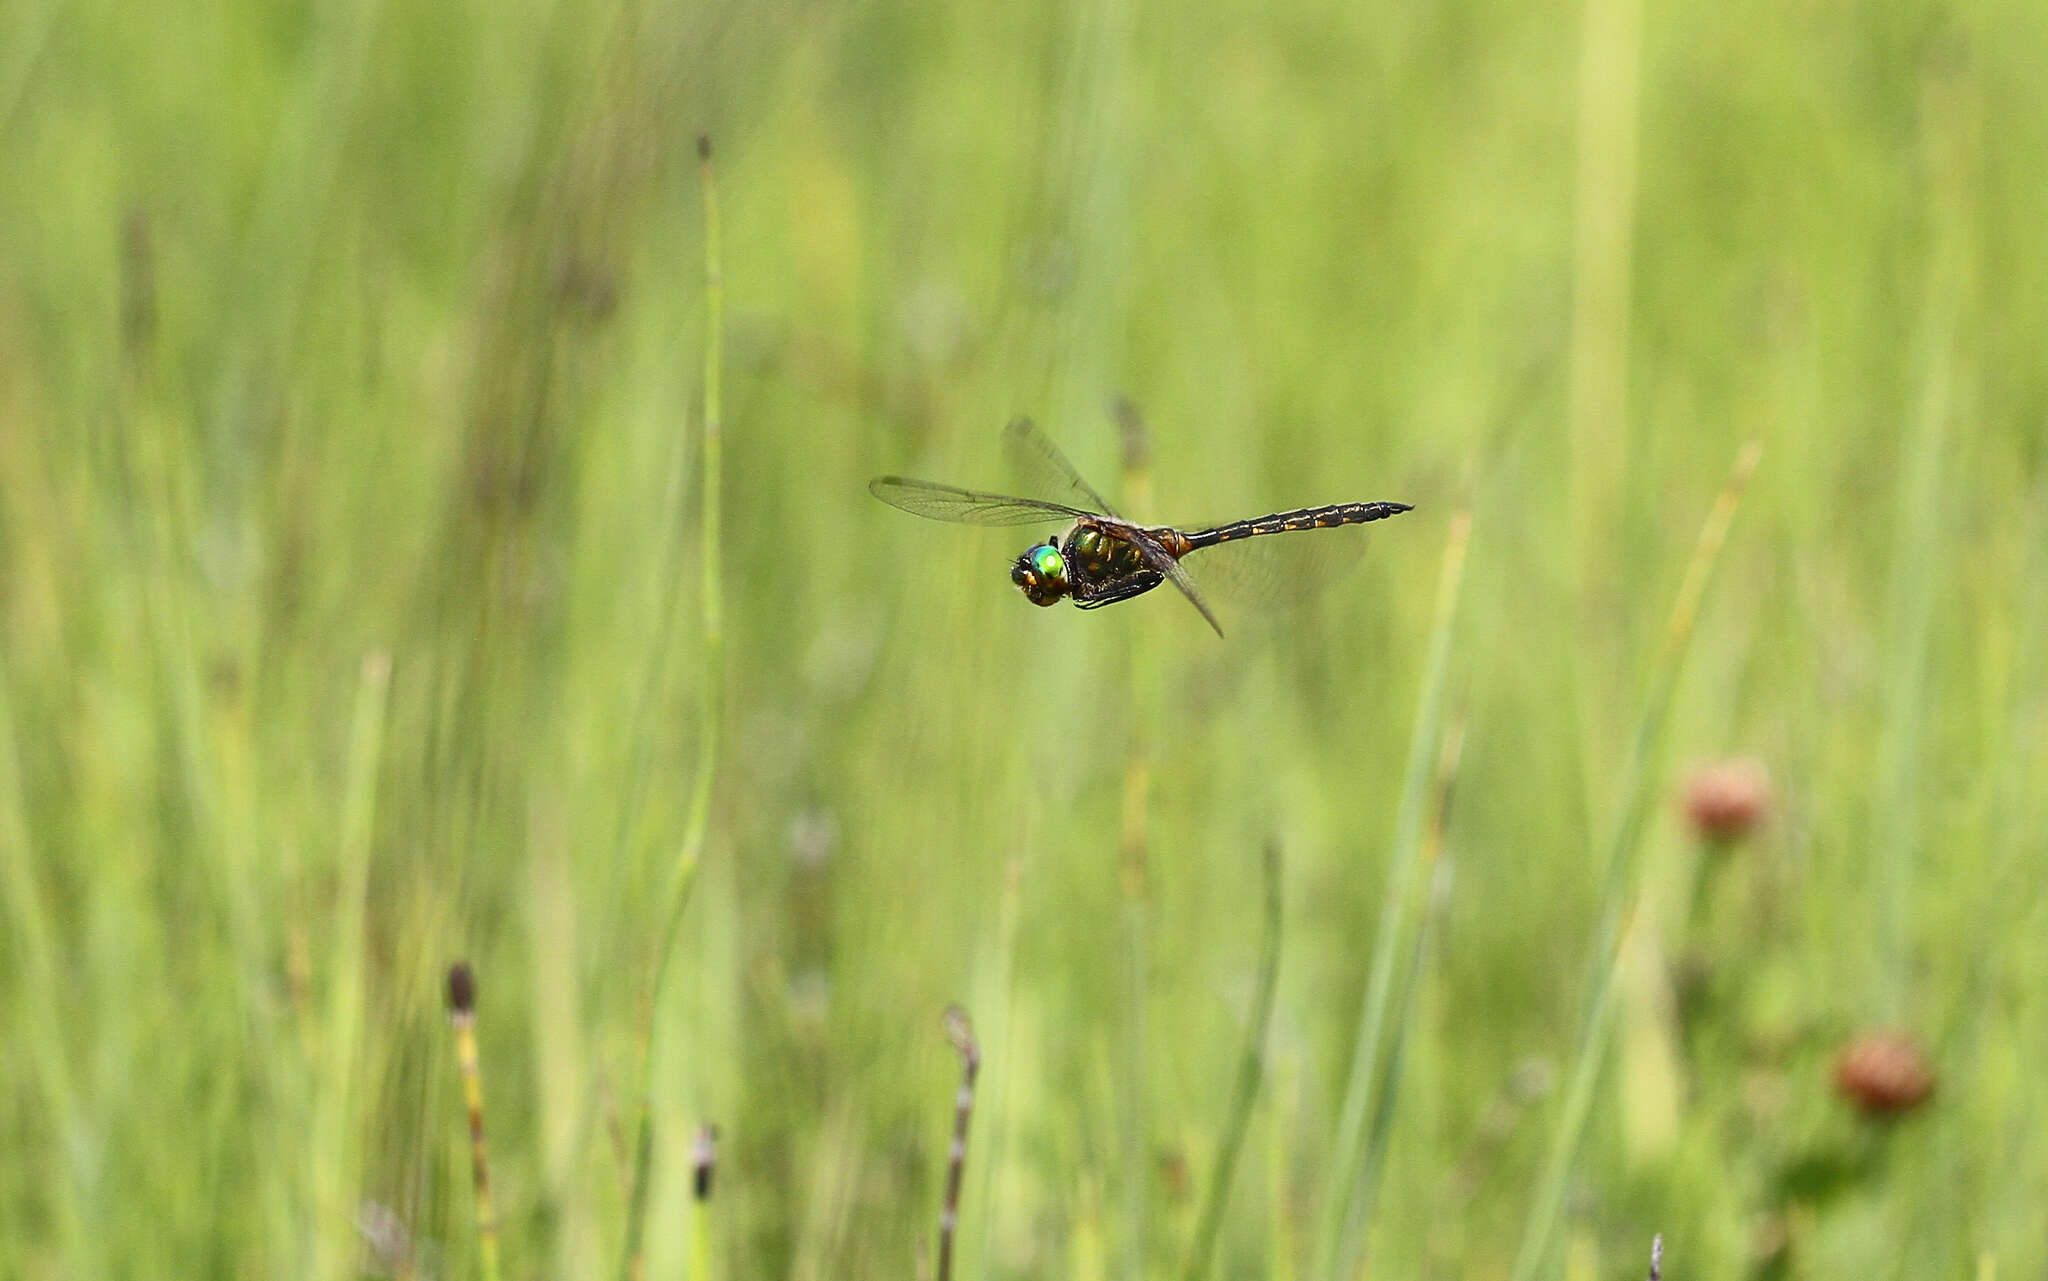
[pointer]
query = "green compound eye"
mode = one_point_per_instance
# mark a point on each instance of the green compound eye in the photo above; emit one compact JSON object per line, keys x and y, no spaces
{"x":1049,"y":564}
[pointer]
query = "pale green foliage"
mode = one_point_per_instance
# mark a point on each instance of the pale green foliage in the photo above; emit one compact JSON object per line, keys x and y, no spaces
{"x":344,"y":332}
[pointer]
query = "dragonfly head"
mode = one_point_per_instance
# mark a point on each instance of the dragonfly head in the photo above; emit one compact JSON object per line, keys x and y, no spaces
{"x":1041,"y":573}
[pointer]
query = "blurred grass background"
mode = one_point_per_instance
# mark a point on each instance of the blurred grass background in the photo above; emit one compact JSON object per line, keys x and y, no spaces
{"x":349,"y":624}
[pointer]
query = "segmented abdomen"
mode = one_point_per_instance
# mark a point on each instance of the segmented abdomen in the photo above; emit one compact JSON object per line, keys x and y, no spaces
{"x":1300,"y":518}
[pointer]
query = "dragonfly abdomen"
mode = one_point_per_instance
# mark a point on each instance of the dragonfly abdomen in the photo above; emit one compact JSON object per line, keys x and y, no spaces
{"x":1300,"y":518}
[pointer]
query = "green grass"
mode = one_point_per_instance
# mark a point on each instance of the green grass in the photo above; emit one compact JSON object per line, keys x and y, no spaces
{"x":352,"y":621}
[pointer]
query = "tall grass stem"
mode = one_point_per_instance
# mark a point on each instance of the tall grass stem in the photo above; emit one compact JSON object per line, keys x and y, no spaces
{"x":1339,"y":1228}
{"x":711,"y":698}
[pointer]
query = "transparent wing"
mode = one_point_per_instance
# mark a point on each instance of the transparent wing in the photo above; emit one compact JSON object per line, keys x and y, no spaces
{"x":1276,"y":575}
{"x":934,"y":501}
{"x":1163,"y":561}
{"x":1042,"y":466}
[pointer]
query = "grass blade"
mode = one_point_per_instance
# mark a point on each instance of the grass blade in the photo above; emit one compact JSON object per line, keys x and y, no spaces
{"x":1251,"y":1071}
{"x":711,"y":693}
{"x":1341,"y":1225}
{"x":1616,"y":897}
{"x":1381,"y":1134}
{"x":334,"y":1156}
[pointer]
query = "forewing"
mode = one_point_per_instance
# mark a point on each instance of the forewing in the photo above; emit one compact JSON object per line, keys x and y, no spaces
{"x":934,"y":501}
{"x":1041,"y":465}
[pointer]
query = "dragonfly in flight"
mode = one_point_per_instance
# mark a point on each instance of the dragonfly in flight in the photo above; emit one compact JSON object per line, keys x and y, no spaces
{"x":1100,"y":558}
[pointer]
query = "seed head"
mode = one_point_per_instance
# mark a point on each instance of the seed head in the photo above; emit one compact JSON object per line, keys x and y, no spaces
{"x":1726,"y":800}
{"x":461,"y":989}
{"x":703,"y":1158}
{"x":1884,"y":1073}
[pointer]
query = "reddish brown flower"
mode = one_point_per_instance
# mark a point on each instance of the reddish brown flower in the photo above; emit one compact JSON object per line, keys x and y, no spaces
{"x":1724,"y":801}
{"x":1884,"y":1073}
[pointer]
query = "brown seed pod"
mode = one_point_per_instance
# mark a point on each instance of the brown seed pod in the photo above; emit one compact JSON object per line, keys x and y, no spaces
{"x":1884,"y":1073}
{"x":1725,"y":801}
{"x":461,"y":989}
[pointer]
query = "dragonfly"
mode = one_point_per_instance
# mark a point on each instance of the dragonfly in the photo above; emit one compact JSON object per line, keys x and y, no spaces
{"x":1100,"y":558}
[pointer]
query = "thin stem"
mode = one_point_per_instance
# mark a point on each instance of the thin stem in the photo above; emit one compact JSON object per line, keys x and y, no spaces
{"x":1251,"y":1071}
{"x":703,"y":1164}
{"x":1657,"y":1257}
{"x":462,"y":1015}
{"x":961,"y":1034}
{"x":711,"y":701}
{"x":712,"y":686}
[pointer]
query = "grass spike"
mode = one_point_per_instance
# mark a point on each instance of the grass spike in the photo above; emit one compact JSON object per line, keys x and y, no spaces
{"x":462,"y":1016}
{"x":703,"y":1165}
{"x":961,"y":1033}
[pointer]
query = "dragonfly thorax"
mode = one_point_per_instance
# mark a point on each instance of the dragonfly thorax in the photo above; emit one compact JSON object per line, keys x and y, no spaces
{"x":1041,"y":574}
{"x":1096,"y":556}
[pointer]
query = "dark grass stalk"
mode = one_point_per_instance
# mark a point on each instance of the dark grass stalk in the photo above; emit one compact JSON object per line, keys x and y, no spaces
{"x":711,"y":704}
{"x":1250,"y":1074}
{"x":462,"y":1015}
{"x":1341,"y":1224}
{"x":961,"y":1033}
{"x":1617,"y":895}
{"x":995,"y":1126}
{"x":703,"y":1165}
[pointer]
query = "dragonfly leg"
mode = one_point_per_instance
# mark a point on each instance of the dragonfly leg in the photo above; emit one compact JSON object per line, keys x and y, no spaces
{"x":1109,"y":593}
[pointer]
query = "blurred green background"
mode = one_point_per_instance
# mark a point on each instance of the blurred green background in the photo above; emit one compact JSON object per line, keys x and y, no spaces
{"x":350,"y":624}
